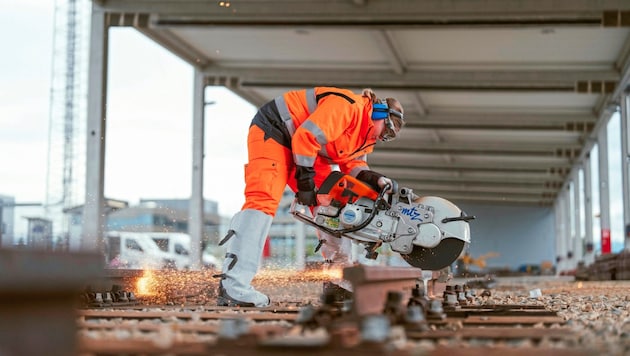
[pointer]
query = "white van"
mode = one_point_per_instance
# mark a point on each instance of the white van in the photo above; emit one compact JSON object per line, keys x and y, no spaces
{"x":133,"y":250}
{"x":177,"y":247}
{"x":153,"y":250}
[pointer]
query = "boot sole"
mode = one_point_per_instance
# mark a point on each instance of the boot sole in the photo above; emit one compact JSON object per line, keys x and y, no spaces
{"x":229,"y":302}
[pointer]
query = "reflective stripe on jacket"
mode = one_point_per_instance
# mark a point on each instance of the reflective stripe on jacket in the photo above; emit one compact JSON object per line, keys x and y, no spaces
{"x":334,"y":124}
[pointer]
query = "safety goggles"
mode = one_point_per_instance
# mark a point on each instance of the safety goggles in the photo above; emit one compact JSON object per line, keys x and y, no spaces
{"x":380,"y":111}
{"x":389,"y":131}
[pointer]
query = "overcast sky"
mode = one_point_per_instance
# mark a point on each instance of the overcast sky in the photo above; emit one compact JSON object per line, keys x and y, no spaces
{"x":149,"y":118}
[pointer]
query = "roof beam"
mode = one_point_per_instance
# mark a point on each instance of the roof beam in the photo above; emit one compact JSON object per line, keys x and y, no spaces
{"x":456,"y":148}
{"x":488,"y":176}
{"x":522,"y":80}
{"x":476,"y":187}
{"x":495,"y":199}
{"x":623,"y":64}
{"x":503,"y":136}
{"x":467,"y":161}
{"x":377,"y":14}
{"x":456,"y":196}
{"x":177,"y":45}
{"x":388,"y":45}
{"x":507,"y":119}
{"x":419,"y":104}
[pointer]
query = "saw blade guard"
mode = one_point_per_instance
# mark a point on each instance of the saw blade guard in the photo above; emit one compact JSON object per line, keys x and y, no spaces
{"x":447,"y":217}
{"x":455,"y":236}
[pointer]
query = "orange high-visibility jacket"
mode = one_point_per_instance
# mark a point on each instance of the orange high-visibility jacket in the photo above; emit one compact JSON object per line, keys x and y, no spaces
{"x":330,"y":123}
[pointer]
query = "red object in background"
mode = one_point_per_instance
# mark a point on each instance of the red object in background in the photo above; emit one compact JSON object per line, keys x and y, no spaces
{"x":267,"y":248}
{"x":605,"y":241}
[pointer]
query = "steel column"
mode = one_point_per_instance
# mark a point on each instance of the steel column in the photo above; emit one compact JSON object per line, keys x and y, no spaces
{"x":94,"y":209}
{"x":589,"y":256}
{"x":196,"y":213}
{"x":557,"y":219}
{"x":577,"y":225}
{"x":625,"y":165}
{"x":567,"y":236}
{"x":604,"y":190}
{"x":560,"y":208}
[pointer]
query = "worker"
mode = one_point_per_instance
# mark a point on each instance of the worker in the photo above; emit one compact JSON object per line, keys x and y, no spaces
{"x":295,"y":139}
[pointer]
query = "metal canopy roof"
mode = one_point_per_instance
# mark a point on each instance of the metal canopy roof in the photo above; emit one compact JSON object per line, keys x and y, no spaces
{"x":501,"y":97}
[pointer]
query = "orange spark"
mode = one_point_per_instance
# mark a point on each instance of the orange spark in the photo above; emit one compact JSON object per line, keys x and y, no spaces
{"x":145,"y":286}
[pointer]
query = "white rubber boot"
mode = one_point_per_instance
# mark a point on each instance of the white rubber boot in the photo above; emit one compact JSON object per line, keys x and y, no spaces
{"x":246,"y":237}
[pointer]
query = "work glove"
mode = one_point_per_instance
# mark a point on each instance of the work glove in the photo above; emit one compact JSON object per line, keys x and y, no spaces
{"x":376,"y":180}
{"x":306,"y":197}
{"x":306,"y":194}
{"x":383,"y":181}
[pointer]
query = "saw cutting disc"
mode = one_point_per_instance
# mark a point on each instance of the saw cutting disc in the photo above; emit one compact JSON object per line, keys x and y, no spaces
{"x":433,"y":259}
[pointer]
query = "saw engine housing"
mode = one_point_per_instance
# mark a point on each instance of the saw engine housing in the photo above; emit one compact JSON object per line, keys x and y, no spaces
{"x":428,"y":232}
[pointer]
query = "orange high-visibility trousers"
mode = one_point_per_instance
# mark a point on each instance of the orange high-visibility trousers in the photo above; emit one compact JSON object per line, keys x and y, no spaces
{"x":269,"y":169}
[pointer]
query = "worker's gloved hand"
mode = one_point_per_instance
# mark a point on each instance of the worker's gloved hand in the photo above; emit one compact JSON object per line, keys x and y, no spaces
{"x":376,"y":180}
{"x":383,"y":181}
{"x":306,"y":194}
{"x":306,"y":197}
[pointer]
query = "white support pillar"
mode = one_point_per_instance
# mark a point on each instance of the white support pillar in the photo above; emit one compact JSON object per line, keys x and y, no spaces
{"x":561,"y":223}
{"x":94,"y":220}
{"x":557,"y":209}
{"x":577,"y":226}
{"x":625,"y":165}
{"x":568,"y":237}
{"x":604,"y":190}
{"x":196,"y":211}
{"x":589,"y":255}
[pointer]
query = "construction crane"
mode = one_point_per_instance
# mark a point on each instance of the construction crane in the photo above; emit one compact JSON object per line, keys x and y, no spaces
{"x":66,"y":136}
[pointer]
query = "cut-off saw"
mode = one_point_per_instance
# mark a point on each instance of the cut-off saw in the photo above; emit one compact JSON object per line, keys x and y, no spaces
{"x":428,"y":232}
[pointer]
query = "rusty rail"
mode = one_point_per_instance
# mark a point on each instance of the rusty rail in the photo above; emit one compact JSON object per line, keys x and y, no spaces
{"x":371,"y":284}
{"x":388,"y":315}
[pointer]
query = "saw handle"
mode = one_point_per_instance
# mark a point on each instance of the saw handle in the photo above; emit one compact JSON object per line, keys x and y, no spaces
{"x":462,"y":217}
{"x":394,"y":190}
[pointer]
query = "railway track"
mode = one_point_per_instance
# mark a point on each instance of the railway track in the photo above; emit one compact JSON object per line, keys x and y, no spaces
{"x":202,"y":331}
{"x":390,"y":315}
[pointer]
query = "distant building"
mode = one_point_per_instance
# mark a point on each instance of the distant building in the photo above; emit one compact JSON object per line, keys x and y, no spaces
{"x":7,"y":220}
{"x":209,"y":206}
{"x":40,"y":233}
{"x":151,"y":215}
{"x":164,"y":215}
{"x":72,"y":240}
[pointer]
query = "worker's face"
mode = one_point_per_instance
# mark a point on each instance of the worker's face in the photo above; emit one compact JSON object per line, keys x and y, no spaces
{"x":379,"y":126}
{"x":383,"y":131}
